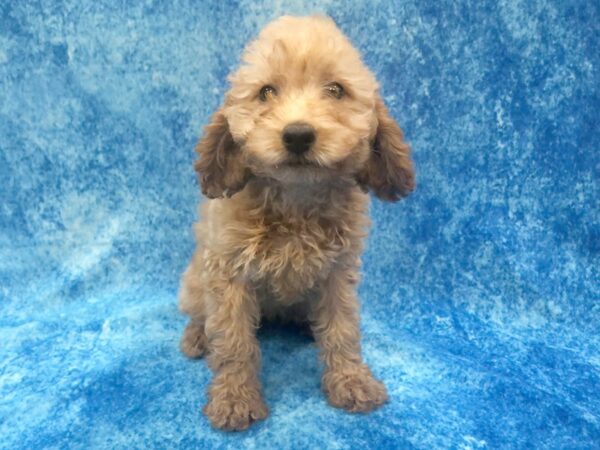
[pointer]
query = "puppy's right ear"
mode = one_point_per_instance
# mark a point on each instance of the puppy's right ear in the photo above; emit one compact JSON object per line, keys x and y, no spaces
{"x":220,"y":169}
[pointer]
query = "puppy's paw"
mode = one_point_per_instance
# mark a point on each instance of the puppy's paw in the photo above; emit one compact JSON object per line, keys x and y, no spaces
{"x":355,"y":390}
{"x":193,"y":342}
{"x":235,"y":410}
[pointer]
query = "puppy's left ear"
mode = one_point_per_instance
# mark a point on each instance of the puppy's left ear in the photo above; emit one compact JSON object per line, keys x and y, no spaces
{"x":389,"y":171}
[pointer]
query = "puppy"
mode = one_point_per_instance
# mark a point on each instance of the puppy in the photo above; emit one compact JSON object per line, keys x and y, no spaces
{"x":286,"y":163}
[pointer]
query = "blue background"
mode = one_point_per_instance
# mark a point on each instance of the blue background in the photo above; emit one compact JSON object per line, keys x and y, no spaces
{"x":481,"y":293}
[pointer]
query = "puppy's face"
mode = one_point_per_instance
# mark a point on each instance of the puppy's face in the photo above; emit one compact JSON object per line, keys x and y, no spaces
{"x":303,"y":104}
{"x":304,"y":108}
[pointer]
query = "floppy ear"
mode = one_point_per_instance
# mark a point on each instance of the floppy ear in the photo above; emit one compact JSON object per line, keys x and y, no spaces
{"x":220,"y":168}
{"x":389,"y":172}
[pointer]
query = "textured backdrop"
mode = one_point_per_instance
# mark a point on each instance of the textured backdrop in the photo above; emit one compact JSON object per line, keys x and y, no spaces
{"x":481,"y":294}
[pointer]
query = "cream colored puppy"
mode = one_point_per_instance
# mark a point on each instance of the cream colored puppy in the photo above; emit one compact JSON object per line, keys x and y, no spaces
{"x":286,"y":163}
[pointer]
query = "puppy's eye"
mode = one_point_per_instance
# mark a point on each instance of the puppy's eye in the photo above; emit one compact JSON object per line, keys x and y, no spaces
{"x":267,"y":92}
{"x":335,"y":90}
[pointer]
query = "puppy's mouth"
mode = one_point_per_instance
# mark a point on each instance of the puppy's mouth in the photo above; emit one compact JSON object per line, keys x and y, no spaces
{"x":300,"y":162}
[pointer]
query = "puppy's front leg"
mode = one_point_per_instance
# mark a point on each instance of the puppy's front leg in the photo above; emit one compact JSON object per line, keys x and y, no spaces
{"x":235,"y":399}
{"x":347,"y":381}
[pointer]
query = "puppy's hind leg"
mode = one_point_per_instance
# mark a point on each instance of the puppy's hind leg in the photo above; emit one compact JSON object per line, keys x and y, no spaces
{"x":191,"y":301}
{"x":193,"y":342}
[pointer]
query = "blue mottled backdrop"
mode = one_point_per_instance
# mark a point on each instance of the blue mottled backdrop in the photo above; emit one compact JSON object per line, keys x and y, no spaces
{"x":481,"y":295}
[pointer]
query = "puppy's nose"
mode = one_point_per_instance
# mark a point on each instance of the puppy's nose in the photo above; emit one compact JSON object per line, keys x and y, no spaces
{"x":298,"y":137}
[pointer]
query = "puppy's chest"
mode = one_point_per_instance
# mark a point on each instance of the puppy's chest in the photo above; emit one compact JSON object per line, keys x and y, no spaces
{"x":291,"y":256}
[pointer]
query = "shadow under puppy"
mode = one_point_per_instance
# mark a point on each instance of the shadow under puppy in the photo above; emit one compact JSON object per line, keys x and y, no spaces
{"x":286,"y":163}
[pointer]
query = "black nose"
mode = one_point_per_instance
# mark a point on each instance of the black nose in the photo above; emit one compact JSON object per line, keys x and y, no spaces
{"x":298,"y":137}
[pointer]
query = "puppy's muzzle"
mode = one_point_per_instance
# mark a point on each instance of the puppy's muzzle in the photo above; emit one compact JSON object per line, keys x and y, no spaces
{"x":298,"y":137}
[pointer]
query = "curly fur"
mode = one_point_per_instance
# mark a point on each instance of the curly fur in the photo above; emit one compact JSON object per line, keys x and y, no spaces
{"x":279,"y":239}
